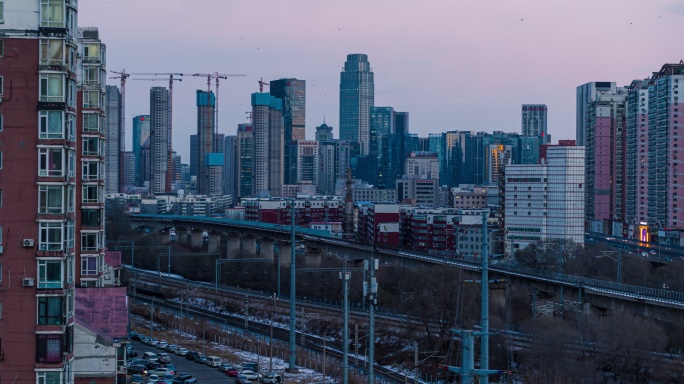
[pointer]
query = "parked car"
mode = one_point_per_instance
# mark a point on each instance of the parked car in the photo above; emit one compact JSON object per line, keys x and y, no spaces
{"x":136,"y":379}
{"x":153,"y":342}
{"x":201,"y":359}
{"x":151,"y":365}
{"x":136,"y":369}
{"x":180,"y":351}
{"x":137,"y":361}
{"x":171,"y":368}
{"x":233,"y":371}
{"x":159,"y":372}
{"x":251,"y":365}
{"x":242,"y":379}
{"x":224,"y":367}
{"x":171,"y":348}
{"x":168,"y":379}
{"x":183,"y":376}
{"x":134,"y":336}
{"x":152,"y":378}
{"x":161,"y":344}
{"x":191,"y":355}
{"x":164,"y":358}
{"x":272,"y":378}
{"x":131,"y":352}
{"x":251,"y":375}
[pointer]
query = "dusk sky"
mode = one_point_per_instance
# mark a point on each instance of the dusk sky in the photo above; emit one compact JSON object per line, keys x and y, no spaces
{"x":453,"y":65}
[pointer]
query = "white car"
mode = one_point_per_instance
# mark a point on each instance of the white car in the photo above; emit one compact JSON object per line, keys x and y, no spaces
{"x":251,"y":375}
{"x":153,"y":379}
{"x":181,"y":351}
{"x":161,"y":344}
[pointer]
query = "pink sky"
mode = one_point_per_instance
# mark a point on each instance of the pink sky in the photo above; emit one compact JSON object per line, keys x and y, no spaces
{"x":453,"y":65}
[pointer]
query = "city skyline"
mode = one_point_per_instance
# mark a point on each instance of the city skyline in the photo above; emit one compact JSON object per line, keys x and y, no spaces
{"x":546,"y":46}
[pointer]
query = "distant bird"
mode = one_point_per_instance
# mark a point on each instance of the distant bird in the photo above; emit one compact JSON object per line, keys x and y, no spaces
{"x":631,"y":23}
{"x":521,"y":19}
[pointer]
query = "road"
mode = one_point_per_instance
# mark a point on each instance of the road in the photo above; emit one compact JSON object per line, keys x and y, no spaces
{"x":203,"y":373}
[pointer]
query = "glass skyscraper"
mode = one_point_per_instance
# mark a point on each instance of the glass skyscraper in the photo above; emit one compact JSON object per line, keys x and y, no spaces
{"x":357,"y":94}
{"x":293,"y":94}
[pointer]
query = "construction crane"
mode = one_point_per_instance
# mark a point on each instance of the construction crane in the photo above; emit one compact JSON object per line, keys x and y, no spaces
{"x":216,"y":76}
{"x":122,"y":135}
{"x":261,"y":85}
{"x":171,"y":77}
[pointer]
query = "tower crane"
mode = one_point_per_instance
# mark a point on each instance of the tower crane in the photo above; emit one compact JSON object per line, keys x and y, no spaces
{"x":171,"y":77}
{"x":216,"y":76}
{"x":261,"y":85}
{"x":122,"y":75}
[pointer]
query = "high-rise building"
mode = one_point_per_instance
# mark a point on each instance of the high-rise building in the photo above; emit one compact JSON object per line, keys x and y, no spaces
{"x":209,"y":158}
{"x":357,"y":95}
{"x":113,"y":131}
{"x":545,"y":201}
{"x":382,"y":124}
{"x":129,"y":162}
{"x":304,"y":155}
{"x":636,"y":163}
{"x":230,"y":160}
{"x":141,"y":132}
{"x":51,"y":184}
{"x":420,"y":182}
{"x":267,"y":120}
{"x":293,"y":94}
{"x":245,"y":158}
{"x":497,"y":157}
{"x":587,"y":93}
{"x":194,"y":155}
{"x":534,"y":119}
{"x":603,"y":128}
{"x":665,"y":178}
{"x":159,"y":139}
{"x":327,"y":171}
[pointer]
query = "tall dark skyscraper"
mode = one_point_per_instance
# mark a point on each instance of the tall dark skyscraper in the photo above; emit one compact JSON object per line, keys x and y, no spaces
{"x":113,"y":155}
{"x":293,"y":94}
{"x":357,"y":95}
{"x":159,"y":139}
{"x":206,"y":106}
{"x":534,"y":120}
{"x":141,"y":133}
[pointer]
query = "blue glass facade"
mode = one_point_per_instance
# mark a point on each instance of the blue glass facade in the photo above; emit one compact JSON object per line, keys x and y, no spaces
{"x":357,"y":95}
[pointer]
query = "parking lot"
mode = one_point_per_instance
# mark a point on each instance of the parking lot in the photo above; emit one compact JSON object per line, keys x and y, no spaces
{"x":203,"y":373}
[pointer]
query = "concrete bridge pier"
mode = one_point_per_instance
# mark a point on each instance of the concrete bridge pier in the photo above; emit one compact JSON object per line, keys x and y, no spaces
{"x":266,"y":248}
{"x":214,"y":245}
{"x":313,"y":258}
{"x":249,"y":247}
{"x":196,"y":239}
{"x":232,"y":246}
{"x":284,"y":250}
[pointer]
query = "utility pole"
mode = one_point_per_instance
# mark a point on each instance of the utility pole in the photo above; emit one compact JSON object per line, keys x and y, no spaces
{"x":345,"y":276}
{"x":270,"y":340}
{"x":293,"y":316}
{"x":371,"y":293}
{"x":246,"y":312}
{"x":484,"y":312}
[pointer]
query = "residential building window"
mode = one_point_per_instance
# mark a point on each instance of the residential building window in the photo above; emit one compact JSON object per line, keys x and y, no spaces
{"x":49,"y":350}
{"x":90,"y":241}
{"x":91,"y":146}
{"x":91,"y":75}
{"x":91,"y":218}
{"x":52,"y":13}
{"x":89,"y":265}
{"x":49,"y":274}
{"x":2,"y":83}
{"x":50,"y":236}
{"x":51,"y":310}
{"x":52,"y":52}
{"x":2,"y":121}
{"x":50,"y":199}
{"x":91,"y":99}
{"x":91,"y":52}
{"x":51,"y":124}
{"x":90,"y":170}
{"x":49,"y":377}
{"x":91,"y":122}
{"x":91,"y":194}
{"x":50,"y":162}
{"x":52,"y":87}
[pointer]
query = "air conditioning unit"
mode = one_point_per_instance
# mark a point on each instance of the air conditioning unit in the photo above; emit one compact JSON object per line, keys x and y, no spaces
{"x":2,"y":249}
{"x":28,"y":242}
{"x":27,"y":282}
